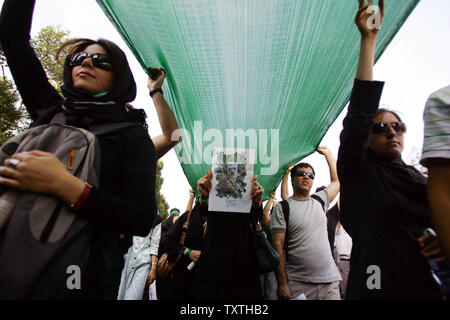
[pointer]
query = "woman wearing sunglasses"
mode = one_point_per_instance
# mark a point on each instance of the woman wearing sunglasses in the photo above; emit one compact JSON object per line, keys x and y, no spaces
{"x":383,"y":201}
{"x":98,"y":85}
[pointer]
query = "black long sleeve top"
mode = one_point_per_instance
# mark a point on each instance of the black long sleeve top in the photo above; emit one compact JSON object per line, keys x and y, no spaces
{"x":228,"y":267}
{"x":383,"y":208}
{"x":125,"y":200}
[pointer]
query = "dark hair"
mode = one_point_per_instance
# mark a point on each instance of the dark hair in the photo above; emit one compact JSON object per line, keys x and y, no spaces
{"x":78,"y":45}
{"x":301,"y":165}
{"x":174,"y":209}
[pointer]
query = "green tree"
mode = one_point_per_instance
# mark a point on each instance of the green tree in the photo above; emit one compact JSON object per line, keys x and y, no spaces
{"x":163,"y":206}
{"x":46,"y":45}
{"x":10,"y":116}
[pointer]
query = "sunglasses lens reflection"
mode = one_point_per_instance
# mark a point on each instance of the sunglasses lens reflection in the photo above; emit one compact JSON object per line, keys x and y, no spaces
{"x":383,"y":128}
{"x":98,"y":60}
{"x":304,"y":173}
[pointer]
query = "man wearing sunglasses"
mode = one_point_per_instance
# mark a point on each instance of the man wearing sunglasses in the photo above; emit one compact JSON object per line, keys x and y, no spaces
{"x":307,"y":265}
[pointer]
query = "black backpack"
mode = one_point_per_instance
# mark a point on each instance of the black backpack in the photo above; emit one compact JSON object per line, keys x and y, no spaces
{"x":43,"y":242}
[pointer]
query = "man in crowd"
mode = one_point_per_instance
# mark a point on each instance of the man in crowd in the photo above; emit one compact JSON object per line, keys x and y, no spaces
{"x":307,"y":266}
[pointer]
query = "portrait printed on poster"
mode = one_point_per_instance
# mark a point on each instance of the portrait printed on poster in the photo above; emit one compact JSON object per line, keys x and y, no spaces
{"x":232,"y":173}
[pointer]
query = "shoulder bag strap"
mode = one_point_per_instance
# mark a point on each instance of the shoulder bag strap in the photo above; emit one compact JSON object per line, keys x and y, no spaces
{"x":285,"y":207}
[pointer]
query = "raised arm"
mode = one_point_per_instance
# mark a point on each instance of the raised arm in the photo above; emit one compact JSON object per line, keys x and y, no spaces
{"x":284,"y":185}
{"x":369,"y":29}
{"x":364,"y":99}
{"x":267,"y":208}
{"x":333,"y":187}
{"x":39,"y":97}
{"x":167,"y":120}
{"x":190,"y":201}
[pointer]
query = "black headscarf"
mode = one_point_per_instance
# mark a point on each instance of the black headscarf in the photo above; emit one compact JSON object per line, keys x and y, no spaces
{"x":83,"y":109}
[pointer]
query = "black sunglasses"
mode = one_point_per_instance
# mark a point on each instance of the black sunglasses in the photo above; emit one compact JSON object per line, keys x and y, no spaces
{"x":99,"y":60}
{"x":304,"y":173}
{"x":383,"y":128}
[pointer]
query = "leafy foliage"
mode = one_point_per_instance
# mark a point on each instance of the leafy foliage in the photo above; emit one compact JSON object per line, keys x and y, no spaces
{"x":163,"y":206}
{"x":9,"y":114}
{"x":46,"y":45}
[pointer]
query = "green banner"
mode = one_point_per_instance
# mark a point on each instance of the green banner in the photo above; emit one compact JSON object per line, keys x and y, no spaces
{"x":270,"y":75}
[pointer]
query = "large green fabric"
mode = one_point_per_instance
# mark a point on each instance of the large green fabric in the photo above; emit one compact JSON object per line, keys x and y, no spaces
{"x":251,"y":64}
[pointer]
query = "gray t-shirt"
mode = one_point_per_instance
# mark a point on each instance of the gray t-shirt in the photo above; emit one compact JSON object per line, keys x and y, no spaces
{"x":309,"y":254}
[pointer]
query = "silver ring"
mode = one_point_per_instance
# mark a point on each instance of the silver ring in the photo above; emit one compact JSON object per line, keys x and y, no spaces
{"x":12,"y":163}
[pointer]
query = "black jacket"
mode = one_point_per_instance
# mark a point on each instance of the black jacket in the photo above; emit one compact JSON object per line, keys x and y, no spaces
{"x":228,"y":267}
{"x":383,"y":208}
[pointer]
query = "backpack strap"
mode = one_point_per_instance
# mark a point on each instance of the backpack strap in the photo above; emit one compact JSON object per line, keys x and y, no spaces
{"x":285,"y":207}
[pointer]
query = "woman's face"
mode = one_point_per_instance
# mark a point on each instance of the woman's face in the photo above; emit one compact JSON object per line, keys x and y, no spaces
{"x":89,"y":77}
{"x":388,"y":145}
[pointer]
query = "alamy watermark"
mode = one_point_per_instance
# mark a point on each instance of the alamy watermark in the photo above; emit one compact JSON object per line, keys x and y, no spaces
{"x":374,"y":280}
{"x":197,"y":147}
{"x":74,"y":279}
{"x":374,"y":21}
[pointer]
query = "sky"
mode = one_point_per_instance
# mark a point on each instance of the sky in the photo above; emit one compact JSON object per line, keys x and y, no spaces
{"x":415,"y":64}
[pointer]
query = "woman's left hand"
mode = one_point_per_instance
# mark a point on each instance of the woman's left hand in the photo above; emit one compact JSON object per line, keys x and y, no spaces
{"x":256,"y":192}
{"x":40,"y":172}
{"x":158,"y":78}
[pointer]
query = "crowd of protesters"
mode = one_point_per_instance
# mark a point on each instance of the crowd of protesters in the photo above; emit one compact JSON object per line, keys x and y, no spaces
{"x":386,"y":237}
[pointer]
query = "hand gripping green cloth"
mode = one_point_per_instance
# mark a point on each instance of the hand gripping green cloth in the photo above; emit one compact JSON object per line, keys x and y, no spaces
{"x":271,"y":75}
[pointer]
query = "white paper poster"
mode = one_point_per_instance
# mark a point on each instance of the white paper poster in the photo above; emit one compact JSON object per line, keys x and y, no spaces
{"x":231,"y":184}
